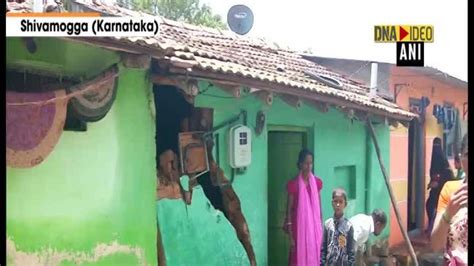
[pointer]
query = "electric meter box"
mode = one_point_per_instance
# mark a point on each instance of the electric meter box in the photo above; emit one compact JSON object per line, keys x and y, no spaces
{"x":240,"y":146}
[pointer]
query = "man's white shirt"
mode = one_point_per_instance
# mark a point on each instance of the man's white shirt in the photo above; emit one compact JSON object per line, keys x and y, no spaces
{"x":363,"y":226}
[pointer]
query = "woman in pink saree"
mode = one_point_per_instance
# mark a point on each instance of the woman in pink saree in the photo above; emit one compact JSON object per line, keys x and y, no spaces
{"x":303,"y":220}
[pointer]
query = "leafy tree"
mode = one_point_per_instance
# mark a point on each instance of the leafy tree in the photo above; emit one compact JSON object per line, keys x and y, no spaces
{"x":190,"y":11}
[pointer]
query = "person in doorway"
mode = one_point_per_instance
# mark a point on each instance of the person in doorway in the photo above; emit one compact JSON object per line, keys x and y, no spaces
{"x":338,"y":239}
{"x":303,"y":219}
{"x":440,"y":173}
{"x":451,"y":227}
{"x":364,"y":225}
{"x":457,"y":164}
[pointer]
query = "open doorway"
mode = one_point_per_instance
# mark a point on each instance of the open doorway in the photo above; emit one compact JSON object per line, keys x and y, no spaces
{"x":283,"y":149}
{"x":416,"y":176}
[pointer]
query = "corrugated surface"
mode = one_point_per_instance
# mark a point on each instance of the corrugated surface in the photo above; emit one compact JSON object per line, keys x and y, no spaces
{"x":225,"y":52}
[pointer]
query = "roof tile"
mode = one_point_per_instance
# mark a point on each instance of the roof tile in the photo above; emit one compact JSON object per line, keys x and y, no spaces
{"x":225,"y":52}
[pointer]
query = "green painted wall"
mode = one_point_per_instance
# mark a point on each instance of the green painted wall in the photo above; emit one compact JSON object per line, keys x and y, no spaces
{"x":376,"y":184}
{"x":202,"y":235}
{"x":59,"y":57}
{"x":92,"y":201}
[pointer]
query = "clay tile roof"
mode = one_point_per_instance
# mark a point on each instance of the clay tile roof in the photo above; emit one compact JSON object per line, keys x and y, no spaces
{"x":224,"y":52}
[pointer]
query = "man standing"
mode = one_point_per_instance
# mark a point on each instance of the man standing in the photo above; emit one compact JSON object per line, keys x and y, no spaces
{"x":364,"y":225}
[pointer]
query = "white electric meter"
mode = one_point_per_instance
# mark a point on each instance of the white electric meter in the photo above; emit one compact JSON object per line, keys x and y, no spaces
{"x":240,"y":146}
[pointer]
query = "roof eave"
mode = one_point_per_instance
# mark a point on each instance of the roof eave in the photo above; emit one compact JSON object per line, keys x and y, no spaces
{"x":403,"y":116}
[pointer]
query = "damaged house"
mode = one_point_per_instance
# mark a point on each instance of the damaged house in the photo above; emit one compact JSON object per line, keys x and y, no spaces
{"x":176,"y":149}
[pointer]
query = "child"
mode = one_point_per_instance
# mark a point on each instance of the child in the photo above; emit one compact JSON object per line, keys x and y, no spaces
{"x":338,"y":240}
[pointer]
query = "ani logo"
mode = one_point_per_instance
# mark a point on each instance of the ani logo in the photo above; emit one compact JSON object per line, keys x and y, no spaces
{"x":410,"y":41}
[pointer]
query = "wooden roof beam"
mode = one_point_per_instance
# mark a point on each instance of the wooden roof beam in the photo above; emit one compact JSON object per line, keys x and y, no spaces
{"x":141,"y":61}
{"x":265,"y":96}
{"x":280,"y":88}
{"x":393,"y":123}
{"x":348,"y":112}
{"x":189,"y":87}
{"x":320,"y":106}
{"x":233,"y":90}
{"x":292,"y":100}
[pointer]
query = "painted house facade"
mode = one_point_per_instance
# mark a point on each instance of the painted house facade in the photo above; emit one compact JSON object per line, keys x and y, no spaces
{"x":91,"y":199}
{"x":105,"y":191}
{"x":424,"y":91}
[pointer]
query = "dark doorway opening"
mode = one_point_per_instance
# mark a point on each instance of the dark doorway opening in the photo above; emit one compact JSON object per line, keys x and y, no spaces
{"x":171,"y":109}
{"x":416,"y":177}
{"x":283,"y":149}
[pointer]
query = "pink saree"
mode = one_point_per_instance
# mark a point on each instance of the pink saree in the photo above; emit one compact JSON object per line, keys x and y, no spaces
{"x":306,"y":220}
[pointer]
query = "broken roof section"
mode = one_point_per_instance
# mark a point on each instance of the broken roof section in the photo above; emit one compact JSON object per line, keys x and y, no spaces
{"x":208,"y":53}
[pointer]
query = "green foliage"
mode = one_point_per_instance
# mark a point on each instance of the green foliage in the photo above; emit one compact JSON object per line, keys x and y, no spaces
{"x":190,"y":11}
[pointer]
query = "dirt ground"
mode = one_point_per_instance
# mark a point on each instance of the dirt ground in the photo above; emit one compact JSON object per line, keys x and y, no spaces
{"x":425,"y":256}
